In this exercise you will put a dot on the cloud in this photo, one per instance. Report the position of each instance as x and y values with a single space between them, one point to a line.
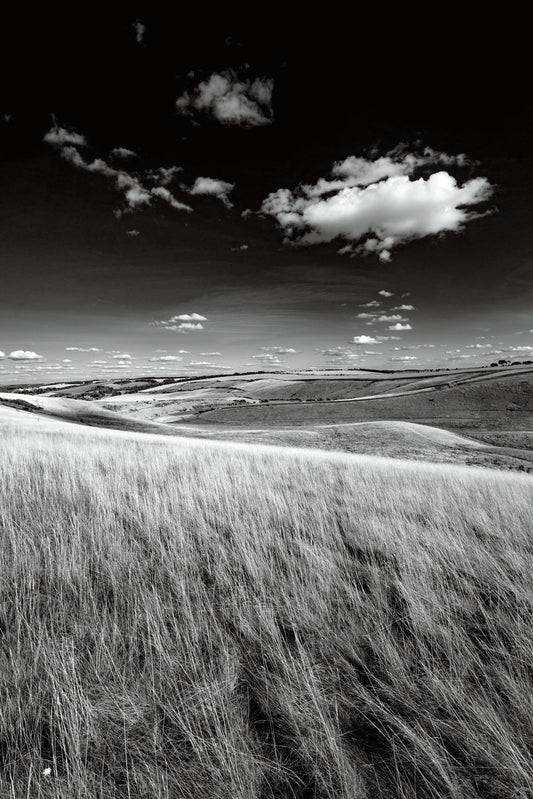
135 193
188 317
378 205
2 354
373 303
122 152
188 326
213 187
395 317
280 350
404 358
132 233
67 360
83 349
400 326
59 137
366 315
403 308
166 358
122 356
242 247
364 340
140 29
94 363
230 100
385 293
267 358
164 175
164 194
24 355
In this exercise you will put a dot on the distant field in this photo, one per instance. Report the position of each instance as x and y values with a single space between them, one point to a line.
192 619
401 414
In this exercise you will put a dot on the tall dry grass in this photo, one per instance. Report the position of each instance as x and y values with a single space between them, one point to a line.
197 620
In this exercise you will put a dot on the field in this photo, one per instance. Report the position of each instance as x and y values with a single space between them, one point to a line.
201 619
476 416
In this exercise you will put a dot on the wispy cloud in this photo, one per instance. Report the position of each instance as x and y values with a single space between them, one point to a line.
83 349
212 187
122 152
280 350
230 99
140 29
377 205
131 185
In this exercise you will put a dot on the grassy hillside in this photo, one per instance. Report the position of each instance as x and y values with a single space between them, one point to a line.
203 620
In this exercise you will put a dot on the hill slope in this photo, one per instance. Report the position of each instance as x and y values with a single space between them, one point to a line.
208 620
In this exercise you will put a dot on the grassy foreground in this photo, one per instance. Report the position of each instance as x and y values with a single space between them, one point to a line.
205 621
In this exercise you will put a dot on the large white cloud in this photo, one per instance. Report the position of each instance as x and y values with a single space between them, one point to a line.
377 205
230 99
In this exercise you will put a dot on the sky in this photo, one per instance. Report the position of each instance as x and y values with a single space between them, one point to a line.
183 195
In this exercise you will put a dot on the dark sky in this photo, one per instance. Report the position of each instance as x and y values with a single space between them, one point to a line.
84 266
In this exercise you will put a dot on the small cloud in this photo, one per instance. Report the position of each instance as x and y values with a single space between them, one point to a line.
400 326
83 349
164 194
164 175
67 360
24 355
122 152
366 315
230 100
391 318
140 29
280 350
59 137
266 358
166 358
404 358
213 187
403 308
122 356
364 340
242 247
210 354
189 326
132 233
372 303
188 317
385 293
